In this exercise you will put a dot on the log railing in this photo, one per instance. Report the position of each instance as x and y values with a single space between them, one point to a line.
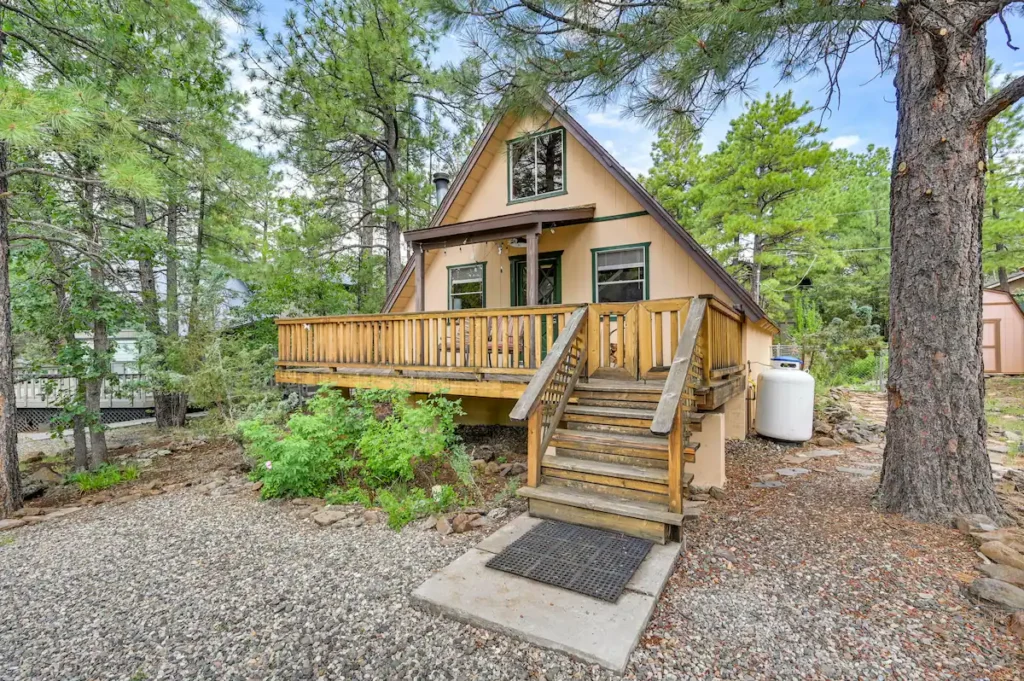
547 395
488 340
677 401
721 341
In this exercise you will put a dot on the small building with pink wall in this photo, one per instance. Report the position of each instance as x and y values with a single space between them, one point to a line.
1002 337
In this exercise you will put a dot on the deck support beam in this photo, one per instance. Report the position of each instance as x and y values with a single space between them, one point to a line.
532 267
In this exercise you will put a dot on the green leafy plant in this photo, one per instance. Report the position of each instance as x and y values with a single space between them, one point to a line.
338 496
103 477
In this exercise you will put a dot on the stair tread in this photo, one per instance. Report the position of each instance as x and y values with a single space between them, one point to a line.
613 470
599 437
619 387
600 502
613 412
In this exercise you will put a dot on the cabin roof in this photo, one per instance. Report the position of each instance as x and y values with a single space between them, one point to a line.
739 295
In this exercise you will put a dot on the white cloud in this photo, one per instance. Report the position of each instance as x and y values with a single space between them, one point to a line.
603 120
845 141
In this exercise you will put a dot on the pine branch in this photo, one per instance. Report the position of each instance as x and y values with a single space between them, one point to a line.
1006 97
47 173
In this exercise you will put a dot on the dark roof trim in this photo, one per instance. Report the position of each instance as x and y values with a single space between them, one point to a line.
711 266
526 219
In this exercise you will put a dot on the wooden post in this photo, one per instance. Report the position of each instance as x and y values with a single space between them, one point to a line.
675 463
418 267
532 268
534 431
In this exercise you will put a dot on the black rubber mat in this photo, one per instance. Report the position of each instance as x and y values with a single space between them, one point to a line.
582 559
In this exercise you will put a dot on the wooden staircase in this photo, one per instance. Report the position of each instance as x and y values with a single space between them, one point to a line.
612 454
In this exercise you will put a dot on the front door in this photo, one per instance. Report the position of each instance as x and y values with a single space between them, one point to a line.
550 274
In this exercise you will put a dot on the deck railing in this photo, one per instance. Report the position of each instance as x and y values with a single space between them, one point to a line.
627 340
488 340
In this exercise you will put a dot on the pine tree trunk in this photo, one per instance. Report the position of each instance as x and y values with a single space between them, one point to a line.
10 476
394 230
755 270
366 238
172 269
935 464
169 409
60 291
196 279
100 341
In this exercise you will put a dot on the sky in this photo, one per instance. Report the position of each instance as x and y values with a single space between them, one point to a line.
865 115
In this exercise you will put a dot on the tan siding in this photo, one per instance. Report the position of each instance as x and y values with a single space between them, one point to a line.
1000 311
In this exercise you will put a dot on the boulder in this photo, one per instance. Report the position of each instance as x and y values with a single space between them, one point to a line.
1011 536
28 511
1004 573
717 493
499 513
328 516
999 552
493 468
1015 625
443 526
975 522
824 441
998 593
46 476
463 522
372 516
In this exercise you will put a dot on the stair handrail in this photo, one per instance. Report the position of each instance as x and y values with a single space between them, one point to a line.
675 384
547 394
549 367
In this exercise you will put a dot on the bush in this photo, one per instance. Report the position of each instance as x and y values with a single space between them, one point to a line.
348 450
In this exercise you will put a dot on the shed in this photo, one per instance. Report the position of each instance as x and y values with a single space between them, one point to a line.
1002 338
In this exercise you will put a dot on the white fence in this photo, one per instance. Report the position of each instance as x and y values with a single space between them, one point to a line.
34 391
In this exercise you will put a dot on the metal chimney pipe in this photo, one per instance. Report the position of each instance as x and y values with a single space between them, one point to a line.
440 185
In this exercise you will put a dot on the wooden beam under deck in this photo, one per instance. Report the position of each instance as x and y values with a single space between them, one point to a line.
720 391
499 387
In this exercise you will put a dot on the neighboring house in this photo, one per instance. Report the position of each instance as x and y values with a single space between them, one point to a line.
1002 337
551 288
1014 279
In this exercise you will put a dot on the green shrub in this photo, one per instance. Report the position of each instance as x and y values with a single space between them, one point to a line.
411 434
404 506
103 477
337 496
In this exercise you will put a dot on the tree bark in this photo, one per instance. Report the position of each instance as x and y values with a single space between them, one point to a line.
147 280
100 341
81 448
755 270
10 476
173 315
366 237
196 276
935 464
392 226
169 409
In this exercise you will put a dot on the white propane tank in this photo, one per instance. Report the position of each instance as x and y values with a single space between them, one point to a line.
785 401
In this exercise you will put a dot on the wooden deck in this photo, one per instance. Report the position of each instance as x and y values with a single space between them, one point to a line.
610 393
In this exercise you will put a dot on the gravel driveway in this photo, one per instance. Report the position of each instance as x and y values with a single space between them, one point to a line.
185 586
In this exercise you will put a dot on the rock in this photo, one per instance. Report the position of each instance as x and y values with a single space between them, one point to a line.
427 523
1004 573
821 453
975 522
824 441
1012 436
699 496
512 469
770 484
480 523
493 468
863 472
479 465
795 459
1011 536
792 472
372 516
726 554
463 522
717 493
997 592
443 526
61 512
1000 553
997 447
30 489
256 486
28 511
11 523
308 501
328 516
498 513
1015 625
767 477
46 476
32 457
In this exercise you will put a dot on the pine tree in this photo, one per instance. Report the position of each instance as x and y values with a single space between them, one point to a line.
1003 228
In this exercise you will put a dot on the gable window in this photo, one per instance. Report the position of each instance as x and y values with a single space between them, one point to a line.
466 289
536 165
620 274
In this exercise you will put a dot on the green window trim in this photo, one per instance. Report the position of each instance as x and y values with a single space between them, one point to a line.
483 283
549 255
605 249
508 167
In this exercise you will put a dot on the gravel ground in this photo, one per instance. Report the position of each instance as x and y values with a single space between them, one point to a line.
185 586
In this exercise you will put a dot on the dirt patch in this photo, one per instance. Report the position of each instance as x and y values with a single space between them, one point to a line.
498 447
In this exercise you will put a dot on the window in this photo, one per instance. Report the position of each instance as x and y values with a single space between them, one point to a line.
466 286
620 274
536 165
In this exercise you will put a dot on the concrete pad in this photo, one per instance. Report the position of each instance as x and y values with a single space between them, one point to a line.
652 575
864 472
498 541
792 472
586 628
